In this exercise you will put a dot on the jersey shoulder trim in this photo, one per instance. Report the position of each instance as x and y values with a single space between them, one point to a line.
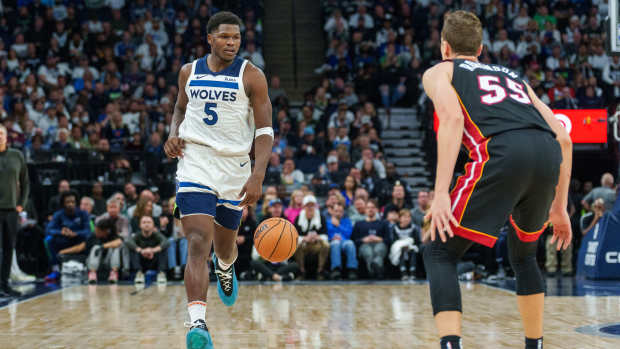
232 70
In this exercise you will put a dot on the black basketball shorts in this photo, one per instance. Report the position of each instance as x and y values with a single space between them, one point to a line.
510 176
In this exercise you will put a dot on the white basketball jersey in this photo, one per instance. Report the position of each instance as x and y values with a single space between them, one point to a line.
218 112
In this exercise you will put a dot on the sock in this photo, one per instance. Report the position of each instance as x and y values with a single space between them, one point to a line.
197 311
536 343
223 265
451 342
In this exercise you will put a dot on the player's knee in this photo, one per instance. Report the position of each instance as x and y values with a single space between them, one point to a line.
197 244
527 274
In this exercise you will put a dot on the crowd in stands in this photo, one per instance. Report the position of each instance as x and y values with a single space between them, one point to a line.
381 47
101 77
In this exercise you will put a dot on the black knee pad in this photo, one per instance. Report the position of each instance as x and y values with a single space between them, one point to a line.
528 275
440 261
522 257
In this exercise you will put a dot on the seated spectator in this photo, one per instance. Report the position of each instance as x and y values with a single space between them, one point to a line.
356 212
86 205
371 237
398 201
55 203
291 177
589 220
312 230
113 214
606 192
144 207
69 226
334 175
339 230
264 270
149 250
147 194
275 209
295 206
377 165
348 190
104 248
405 246
62 143
423 204
589 100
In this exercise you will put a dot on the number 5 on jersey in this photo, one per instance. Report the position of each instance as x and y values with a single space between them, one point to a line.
211 118
491 83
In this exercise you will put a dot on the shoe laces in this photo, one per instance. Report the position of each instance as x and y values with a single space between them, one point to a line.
196 324
225 277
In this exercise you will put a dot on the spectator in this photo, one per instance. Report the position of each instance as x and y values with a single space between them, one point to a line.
291 177
589 219
69 227
423 204
265 270
398 201
275 91
356 212
54 204
371 236
86 205
348 190
605 191
148 195
149 250
100 203
404 249
312 230
131 196
335 175
275 209
295 206
339 229
103 248
144 207
377 166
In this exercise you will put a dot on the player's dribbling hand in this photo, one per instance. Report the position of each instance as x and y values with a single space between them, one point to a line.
440 215
252 190
174 147
562 232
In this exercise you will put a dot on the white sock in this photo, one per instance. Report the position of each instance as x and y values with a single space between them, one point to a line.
197 311
223 265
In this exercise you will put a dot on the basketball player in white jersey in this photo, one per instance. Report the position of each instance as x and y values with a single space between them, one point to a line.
222 107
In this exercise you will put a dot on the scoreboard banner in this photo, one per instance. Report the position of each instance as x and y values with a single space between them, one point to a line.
583 125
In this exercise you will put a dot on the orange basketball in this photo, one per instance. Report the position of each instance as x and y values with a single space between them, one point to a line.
275 239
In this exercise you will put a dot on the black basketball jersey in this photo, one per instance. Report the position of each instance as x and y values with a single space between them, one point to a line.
494 98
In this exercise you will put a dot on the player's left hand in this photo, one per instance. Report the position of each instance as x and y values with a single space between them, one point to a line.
441 216
252 189
562 232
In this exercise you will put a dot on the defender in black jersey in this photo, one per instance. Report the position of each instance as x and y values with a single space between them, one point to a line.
519 170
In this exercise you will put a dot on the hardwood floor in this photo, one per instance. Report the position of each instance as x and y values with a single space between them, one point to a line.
292 316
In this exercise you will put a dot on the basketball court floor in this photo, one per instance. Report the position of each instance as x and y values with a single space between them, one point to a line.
304 315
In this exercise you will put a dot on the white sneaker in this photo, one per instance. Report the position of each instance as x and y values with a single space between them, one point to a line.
17 275
139 279
161 278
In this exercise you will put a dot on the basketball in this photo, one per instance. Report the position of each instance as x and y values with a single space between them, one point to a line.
275 239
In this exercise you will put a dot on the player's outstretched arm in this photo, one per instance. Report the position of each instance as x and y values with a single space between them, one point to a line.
174 145
256 88
558 214
438 86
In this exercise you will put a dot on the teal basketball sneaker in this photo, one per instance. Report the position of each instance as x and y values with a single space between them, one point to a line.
198 336
227 286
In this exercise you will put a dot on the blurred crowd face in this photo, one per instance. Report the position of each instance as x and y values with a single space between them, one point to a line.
113 209
338 211
86 205
69 204
423 199
371 210
147 225
360 205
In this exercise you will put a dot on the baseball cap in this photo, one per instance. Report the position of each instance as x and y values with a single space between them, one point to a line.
308 131
309 199
366 120
274 202
331 159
